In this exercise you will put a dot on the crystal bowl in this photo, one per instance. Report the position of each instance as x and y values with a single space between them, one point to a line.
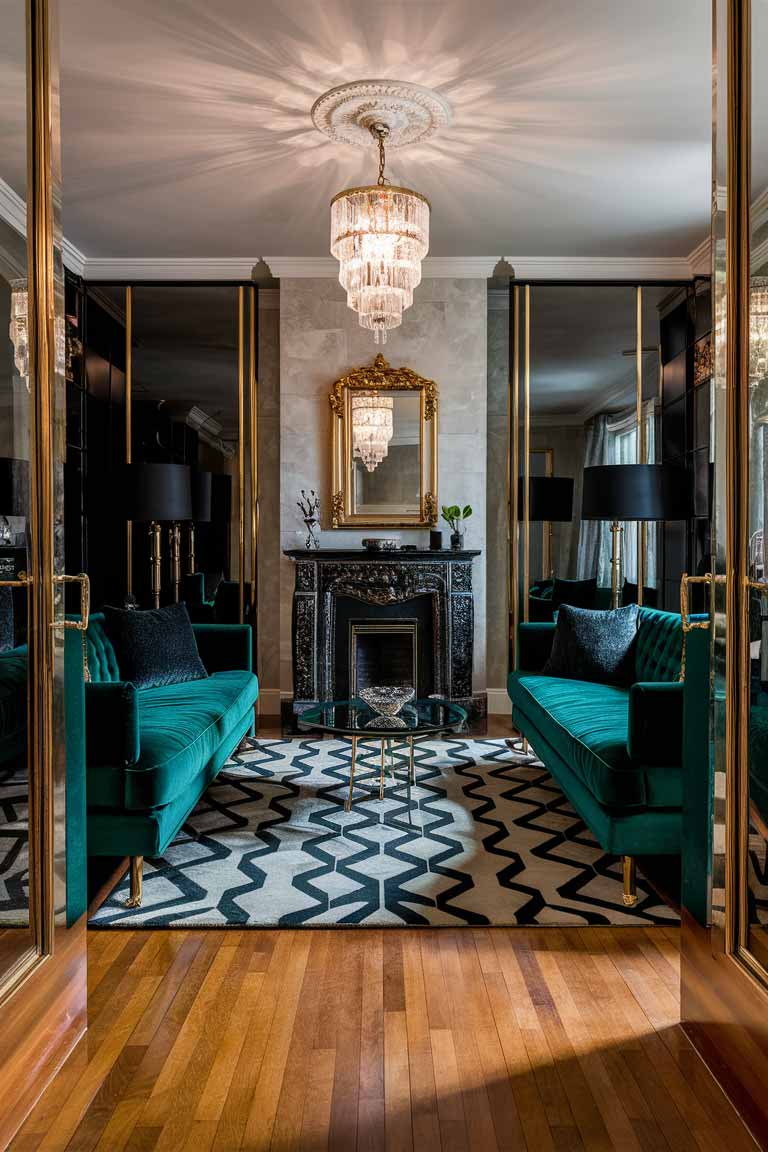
386 701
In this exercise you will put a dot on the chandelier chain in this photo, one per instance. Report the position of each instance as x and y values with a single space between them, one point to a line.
380 132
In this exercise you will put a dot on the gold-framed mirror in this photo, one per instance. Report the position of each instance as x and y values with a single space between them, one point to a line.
383 448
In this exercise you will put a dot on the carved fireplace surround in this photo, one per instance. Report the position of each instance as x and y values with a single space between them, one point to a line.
378 579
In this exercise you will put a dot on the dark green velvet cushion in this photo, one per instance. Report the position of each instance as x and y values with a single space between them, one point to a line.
587 725
180 727
102 661
659 645
155 647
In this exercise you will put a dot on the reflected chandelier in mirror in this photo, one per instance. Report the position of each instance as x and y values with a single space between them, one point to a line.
384 448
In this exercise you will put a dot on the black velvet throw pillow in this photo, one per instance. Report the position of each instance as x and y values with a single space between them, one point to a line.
580 593
596 646
156 647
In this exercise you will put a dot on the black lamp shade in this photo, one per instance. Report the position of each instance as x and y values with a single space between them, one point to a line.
157 492
201 497
635 492
551 497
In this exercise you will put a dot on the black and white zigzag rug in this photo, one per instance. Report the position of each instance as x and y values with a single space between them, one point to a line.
485 836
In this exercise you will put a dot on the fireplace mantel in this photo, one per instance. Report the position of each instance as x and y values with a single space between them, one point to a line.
381 578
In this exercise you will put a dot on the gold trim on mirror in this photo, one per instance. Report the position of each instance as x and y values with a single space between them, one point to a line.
380 377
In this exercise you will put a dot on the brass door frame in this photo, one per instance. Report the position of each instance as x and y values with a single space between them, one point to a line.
738 584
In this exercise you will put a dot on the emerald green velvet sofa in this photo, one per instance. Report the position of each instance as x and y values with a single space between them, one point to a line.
13 705
616 752
152 752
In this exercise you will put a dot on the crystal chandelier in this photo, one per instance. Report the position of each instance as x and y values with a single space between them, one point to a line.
379 235
371 427
758 329
18 330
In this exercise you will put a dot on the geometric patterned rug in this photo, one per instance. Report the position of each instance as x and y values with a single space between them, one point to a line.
484 837
14 846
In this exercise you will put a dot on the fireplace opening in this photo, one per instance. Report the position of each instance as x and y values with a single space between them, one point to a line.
383 645
383 654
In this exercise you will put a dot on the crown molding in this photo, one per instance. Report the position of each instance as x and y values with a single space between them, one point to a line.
700 259
600 267
13 211
170 268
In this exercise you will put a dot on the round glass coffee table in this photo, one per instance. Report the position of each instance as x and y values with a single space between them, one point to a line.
358 722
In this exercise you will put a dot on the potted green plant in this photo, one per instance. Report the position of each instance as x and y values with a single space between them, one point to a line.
454 517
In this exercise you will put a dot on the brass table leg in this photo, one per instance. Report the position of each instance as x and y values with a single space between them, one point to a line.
348 805
381 779
411 769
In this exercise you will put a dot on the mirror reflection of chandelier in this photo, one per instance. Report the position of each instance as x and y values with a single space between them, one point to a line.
380 232
758 329
372 427
18 329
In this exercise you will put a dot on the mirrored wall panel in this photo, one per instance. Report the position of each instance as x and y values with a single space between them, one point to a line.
609 382
17 938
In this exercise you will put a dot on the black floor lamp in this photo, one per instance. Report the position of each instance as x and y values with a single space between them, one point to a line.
550 499
618 492
202 487
157 494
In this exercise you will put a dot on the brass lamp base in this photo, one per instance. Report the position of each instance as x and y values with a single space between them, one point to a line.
155 562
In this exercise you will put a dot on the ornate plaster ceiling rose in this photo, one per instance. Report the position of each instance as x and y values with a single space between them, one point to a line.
411 113
380 233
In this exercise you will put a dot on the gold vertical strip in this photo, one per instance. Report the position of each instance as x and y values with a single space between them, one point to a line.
737 470
129 422
241 450
253 411
527 453
41 318
513 472
642 533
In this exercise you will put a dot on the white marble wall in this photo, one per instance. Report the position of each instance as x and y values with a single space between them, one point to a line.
443 336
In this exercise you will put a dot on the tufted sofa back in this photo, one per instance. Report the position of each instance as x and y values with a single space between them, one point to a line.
659 645
102 661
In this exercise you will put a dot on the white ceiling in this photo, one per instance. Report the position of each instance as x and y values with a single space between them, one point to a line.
580 127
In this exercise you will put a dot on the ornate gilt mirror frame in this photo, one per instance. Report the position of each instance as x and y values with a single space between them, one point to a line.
381 377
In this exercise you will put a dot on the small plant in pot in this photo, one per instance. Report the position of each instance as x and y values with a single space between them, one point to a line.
454 517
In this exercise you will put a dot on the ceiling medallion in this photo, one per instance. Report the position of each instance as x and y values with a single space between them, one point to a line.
380 233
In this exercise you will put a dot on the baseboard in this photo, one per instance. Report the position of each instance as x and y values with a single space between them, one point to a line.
499 703
269 701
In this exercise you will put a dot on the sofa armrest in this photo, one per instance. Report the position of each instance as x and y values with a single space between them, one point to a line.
112 724
655 733
534 645
224 647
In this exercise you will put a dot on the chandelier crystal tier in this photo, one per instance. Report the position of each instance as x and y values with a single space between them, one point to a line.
372 427
758 329
380 232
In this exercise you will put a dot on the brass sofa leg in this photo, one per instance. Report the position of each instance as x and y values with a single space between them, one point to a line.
630 881
137 865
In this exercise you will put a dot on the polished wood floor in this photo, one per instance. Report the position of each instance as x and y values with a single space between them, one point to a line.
474 1039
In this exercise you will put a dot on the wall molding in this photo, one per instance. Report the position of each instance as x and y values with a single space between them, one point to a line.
13 211
201 268
499 703
601 267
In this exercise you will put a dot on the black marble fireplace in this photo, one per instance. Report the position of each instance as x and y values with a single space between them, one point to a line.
382 617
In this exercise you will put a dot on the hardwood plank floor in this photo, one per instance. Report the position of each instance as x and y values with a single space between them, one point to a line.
475 1039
